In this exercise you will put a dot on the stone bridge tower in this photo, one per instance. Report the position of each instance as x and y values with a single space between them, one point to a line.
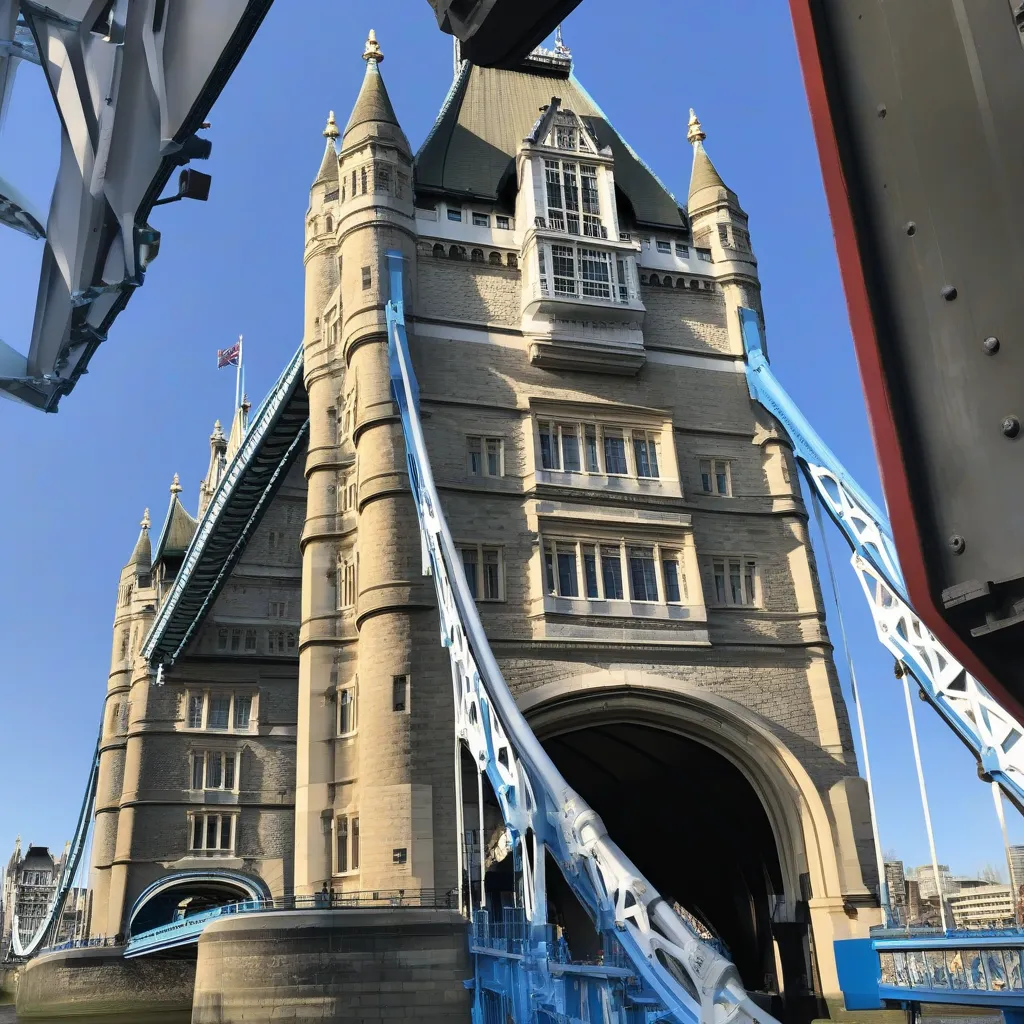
375 775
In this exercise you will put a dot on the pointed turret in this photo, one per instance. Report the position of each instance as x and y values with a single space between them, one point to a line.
178 529
373 113
215 471
142 556
328 172
239 425
703 175
717 220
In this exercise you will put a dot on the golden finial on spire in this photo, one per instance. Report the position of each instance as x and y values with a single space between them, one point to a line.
373 50
145 524
331 131
175 485
694 131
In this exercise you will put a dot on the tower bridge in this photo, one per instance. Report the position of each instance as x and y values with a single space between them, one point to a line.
531 416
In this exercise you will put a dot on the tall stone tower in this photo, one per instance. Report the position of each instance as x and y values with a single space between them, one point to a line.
374 779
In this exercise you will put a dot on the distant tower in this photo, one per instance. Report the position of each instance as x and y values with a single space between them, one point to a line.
133 615
215 473
368 794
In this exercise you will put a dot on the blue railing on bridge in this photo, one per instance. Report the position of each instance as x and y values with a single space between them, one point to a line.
973 967
188 929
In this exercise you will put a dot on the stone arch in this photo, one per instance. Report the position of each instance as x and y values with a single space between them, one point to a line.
477 255
680 282
695 286
655 280
158 902
456 252
438 250
806 834
494 259
512 261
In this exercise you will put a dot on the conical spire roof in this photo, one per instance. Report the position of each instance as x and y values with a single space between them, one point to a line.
329 165
142 556
178 529
703 175
373 105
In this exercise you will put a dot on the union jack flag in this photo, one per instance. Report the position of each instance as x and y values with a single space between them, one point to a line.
228 356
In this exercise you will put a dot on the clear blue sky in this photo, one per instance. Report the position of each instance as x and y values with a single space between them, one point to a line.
74 485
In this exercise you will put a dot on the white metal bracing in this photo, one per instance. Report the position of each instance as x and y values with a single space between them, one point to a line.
992 733
539 808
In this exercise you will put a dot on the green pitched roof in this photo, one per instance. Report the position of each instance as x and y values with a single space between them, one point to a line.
490 111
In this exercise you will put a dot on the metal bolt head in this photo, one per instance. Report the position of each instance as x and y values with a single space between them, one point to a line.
1011 426
991 345
910 227
957 544
948 293
880 109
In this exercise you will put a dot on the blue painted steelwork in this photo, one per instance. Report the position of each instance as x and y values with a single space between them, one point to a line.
68 871
990 731
276 433
964 967
689 979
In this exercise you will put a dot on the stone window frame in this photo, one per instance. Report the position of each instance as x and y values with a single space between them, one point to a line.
221 850
349 821
351 688
204 756
482 445
598 427
478 585
347 582
713 462
749 573
204 694
589 543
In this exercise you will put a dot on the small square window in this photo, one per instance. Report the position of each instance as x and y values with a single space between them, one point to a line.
481 220
716 477
664 246
400 693
367 278
682 251
501 222
400 856
455 213
705 255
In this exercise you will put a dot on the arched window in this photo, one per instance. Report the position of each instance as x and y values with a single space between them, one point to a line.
438 250
477 256
494 259
512 260
362 181
695 286
655 279
328 223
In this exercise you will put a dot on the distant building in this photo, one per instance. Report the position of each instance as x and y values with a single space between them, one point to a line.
925 878
896 884
913 901
983 906
1017 865
29 884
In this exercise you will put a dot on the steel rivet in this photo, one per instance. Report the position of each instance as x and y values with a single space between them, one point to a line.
1011 426
957 544
949 293
881 110
991 345
910 227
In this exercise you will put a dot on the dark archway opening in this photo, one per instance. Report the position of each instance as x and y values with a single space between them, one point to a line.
185 899
695 827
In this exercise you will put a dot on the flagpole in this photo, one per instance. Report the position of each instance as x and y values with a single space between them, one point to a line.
238 377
